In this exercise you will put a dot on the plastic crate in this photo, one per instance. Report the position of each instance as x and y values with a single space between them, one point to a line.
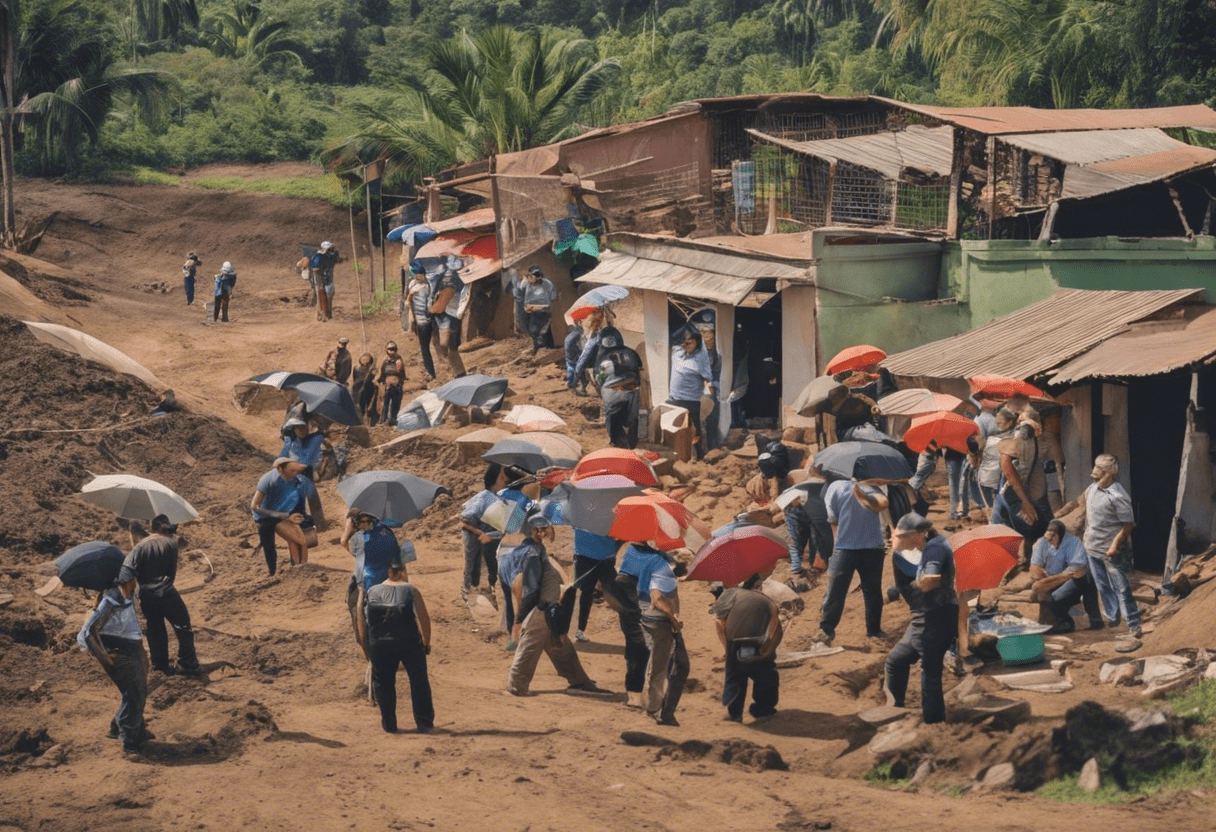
1023 648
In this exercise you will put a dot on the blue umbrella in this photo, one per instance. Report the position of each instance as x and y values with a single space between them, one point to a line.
474 391
394 497
93 565
418 235
395 235
863 461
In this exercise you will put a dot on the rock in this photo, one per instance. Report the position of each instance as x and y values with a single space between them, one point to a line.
819 650
922 772
968 689
719 490
1142 719
715 456
1003 712
998 776
883 715
682 471
1163 668
1161 687
1107 672
1210 673
781 595
1039 681
897 737
1126 676
1091 776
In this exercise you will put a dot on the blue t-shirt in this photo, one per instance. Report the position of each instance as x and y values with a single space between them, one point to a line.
476 507
857 526
652 570
1068 556
688 374
284 495
511 562
306 451
378 546
938 559
594 546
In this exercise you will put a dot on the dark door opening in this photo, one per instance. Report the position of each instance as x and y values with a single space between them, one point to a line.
1156 422
757 349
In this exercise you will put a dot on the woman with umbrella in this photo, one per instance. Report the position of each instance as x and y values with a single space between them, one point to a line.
112 635
691 376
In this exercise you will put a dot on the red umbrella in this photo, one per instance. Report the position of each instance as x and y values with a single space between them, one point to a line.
947 430
615 461
733 558
657 517
1003 387
854 358
983 555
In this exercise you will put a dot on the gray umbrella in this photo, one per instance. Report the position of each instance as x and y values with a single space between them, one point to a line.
474 391
818 395
520 453
863 461
392 496
93 565
589 503
329 399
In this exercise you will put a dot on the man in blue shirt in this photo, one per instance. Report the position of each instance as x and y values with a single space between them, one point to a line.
854 511
480 538
594 564
278 506
538 296
111 633
1060 570
659 600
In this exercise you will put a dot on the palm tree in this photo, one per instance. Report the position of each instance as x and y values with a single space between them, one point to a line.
245 35
494 92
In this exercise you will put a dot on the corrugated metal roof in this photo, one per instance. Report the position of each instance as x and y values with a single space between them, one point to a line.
477 218
1034 340
927 149
998 121
618 269
695 254
1085 147
1146 349
1115 175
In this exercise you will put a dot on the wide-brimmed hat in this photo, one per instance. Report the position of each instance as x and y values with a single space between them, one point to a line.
344 341
227 268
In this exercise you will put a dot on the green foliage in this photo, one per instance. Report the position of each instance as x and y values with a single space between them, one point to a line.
381 302
881 774
327 187
1197 703
1160 783
245 34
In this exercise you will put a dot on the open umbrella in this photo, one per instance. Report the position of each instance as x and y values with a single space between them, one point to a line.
854 358
597 298
947 430
394 497
863 461
474 391
519 453
329 399
916 400
615 461
1002 387
563 450
819 395
531 417
417 235
136 498
285 380
736 556
983 555
589 504
93 565
657 517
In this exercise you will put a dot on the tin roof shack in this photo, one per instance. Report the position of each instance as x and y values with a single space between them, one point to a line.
1130 370
759 294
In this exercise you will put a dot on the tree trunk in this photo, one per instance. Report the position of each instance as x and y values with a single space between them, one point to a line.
8 48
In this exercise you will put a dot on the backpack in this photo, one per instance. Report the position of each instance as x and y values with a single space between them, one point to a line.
389 622
315 261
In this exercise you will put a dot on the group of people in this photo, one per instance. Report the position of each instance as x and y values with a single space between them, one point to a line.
317 269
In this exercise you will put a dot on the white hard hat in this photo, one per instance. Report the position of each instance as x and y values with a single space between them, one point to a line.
227 267
326 246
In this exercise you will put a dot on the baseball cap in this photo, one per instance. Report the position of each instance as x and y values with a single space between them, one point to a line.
344 341
281 461
417 268
912 522
295 422
326 246
227 267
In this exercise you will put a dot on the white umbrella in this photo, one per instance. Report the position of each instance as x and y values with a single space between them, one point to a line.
564 450
136 498
533 417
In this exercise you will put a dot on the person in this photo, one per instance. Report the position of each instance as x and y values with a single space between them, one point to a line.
594 565
480 538
619 378
806 522
417 315
536 592
538 297
225 283
399 633
691 376
713 432
577 339
510 562
988 472
153 563
854 512
625 599
1059 568
189 270
278 509
392 374
444 304
659 602
338 363
301 445
323 279
363 388
934 617
1109 521
375 545
112 635
749 628
1023 504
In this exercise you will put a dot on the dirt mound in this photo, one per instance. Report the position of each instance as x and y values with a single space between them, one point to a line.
1189 622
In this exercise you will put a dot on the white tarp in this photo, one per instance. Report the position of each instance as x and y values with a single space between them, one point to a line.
88 347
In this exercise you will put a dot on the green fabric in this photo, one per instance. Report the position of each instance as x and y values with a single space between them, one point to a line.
584 244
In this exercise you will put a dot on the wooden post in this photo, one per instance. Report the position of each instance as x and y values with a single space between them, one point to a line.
956 177
991 184
371 260
827 210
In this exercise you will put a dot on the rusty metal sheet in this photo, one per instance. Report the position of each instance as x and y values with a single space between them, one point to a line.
632 272
926 149
1087 147
1146 349
1038 338
1118 174
748 260
468 221
998 121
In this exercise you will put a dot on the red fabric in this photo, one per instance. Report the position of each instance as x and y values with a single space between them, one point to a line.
983 556
616 461
948 430
854 358
735 557
1003 387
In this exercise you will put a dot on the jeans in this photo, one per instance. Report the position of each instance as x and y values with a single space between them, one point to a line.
508 605
574 350
621 417
1115 590
425 331
188 285
799 527
1004 515
963 489
926 464
765 682
667 670
392 404
385 655
867 563
1066 595
537 325
219 309
588 572
927 643
474 553
159 607
637 652
127 672
535 638
694 419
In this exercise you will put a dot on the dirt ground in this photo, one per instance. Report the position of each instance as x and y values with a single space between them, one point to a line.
283 737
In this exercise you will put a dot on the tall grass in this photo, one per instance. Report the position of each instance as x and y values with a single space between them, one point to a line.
327 187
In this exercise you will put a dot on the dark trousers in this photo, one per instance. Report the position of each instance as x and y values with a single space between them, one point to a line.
1066 595
266 526
667 670
812 536
127 672
365 400
537 324
637 653
188 285
219 309
508 606
589 572
386 654
621 417
425 332
159 607
694 419
867 563
764 679
392 403
474 553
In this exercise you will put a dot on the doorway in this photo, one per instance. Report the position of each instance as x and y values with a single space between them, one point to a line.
758 359
1156 421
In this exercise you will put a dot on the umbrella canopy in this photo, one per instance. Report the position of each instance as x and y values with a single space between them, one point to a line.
394 497
657 517
418 235
531 417
563 450
136 498
284 380
616 461
1003 387
519 453
736 556
915 401
597 298
589 504
819 395
983 555
93 565
947 430
863 461
854 358
474 391
329 399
